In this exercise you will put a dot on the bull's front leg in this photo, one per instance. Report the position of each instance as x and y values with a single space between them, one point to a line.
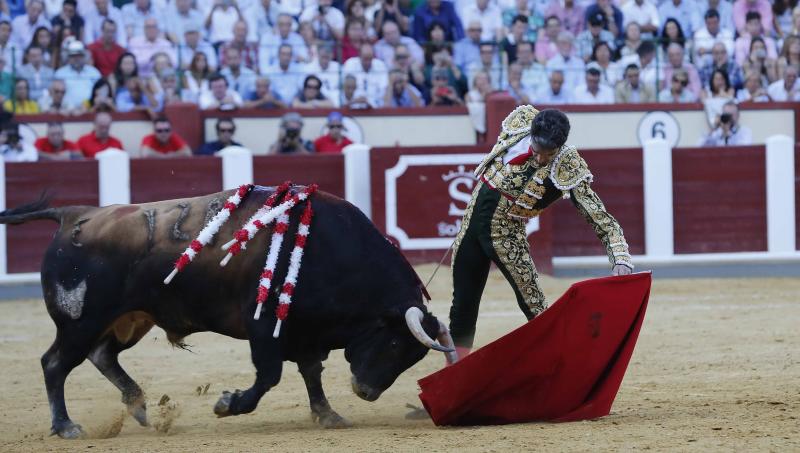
321 411
267 356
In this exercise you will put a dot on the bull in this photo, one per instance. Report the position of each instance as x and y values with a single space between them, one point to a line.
102 280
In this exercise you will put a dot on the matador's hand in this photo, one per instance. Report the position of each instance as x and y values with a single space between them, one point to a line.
620 269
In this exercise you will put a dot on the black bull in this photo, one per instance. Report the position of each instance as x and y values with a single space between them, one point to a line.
103 273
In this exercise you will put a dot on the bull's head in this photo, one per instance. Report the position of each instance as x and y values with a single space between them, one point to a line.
399 341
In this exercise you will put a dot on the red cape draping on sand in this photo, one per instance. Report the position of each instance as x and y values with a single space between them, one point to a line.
565 365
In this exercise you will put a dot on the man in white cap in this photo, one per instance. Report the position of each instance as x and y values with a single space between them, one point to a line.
77 75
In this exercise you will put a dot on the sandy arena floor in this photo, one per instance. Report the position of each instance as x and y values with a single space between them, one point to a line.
717 367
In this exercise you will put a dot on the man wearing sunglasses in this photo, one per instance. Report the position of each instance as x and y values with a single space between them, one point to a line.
225 130
334 141
529 168
163 142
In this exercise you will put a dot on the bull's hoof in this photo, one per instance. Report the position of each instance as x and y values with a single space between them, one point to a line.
68 430
226 402
331 420
138 411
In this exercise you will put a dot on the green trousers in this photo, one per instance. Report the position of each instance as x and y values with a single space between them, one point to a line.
488 235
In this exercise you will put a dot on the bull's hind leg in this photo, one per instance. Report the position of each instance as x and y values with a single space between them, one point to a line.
68 351
265 352
321 411
124 334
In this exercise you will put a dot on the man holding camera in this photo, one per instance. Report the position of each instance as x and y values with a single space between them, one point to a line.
289 138
728 131
328 22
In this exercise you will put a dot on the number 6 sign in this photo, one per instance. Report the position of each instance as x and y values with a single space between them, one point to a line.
661 125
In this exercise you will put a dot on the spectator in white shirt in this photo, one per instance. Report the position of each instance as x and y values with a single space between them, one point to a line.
268 48
554 93
371 73
99 12
534 75
77 75
135 14
566 61
220 21
725 10
327 21
182 18
592 91
219 96
286 76
706 37
327 70
384 48
193 43
489 63
728 130
787 89
754 89
644 13
262 18
489 16
26 24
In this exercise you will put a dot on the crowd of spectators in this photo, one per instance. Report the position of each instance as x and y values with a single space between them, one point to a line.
78 56
73 56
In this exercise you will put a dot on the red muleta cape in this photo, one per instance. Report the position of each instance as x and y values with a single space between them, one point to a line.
565 365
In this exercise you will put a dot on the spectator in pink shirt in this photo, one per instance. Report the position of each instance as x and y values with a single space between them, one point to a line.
676 62
546 44
571 15
741 8
753 29
143 47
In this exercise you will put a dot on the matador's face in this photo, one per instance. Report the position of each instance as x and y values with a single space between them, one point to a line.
542 155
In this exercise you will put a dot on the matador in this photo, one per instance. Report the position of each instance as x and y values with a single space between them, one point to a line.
528 169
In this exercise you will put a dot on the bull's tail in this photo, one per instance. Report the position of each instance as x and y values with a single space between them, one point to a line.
37 210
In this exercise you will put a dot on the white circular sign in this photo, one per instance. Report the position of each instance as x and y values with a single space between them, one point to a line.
659 125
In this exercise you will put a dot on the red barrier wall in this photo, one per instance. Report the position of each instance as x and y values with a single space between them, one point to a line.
68 183
164 179
326 170
720 199
430 198
619 181
797 196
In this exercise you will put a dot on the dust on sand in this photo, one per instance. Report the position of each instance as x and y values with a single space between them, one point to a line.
717 367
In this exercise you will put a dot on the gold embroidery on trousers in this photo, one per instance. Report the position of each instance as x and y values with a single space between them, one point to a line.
511 245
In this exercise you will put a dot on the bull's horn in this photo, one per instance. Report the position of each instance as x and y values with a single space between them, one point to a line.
414 321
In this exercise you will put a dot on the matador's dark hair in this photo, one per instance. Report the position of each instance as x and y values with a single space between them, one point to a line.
550 128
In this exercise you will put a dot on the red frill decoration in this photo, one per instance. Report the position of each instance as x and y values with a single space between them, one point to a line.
262 295
235 248
243 189
242 235
282 311
281 228
288 289
182 262
267 274
196 245
300 241
259 224
230 206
